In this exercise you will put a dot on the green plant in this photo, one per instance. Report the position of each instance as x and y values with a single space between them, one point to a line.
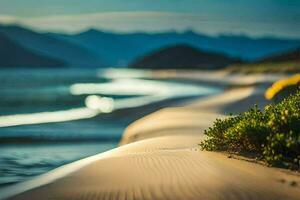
272 135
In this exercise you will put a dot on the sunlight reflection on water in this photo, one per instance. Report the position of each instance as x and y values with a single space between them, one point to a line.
97 102
103 104
47 117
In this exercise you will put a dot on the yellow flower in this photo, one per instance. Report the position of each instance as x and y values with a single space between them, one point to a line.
280 85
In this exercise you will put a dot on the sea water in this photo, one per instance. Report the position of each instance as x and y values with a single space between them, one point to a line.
51 117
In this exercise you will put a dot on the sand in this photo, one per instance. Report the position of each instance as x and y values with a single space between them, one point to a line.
159 158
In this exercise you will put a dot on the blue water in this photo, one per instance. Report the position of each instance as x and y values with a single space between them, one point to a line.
39 130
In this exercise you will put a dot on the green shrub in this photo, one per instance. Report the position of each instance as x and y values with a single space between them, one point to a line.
273 135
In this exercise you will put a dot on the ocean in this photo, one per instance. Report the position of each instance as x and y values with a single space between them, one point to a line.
51 117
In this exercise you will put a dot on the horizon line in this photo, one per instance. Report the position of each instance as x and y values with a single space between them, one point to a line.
119 32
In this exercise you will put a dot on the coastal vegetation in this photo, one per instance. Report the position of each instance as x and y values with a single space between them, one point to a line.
271 135
284 62
265 67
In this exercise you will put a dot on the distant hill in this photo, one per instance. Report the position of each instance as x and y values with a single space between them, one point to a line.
118 49
14 55
183 57
292 55
73 55
285 62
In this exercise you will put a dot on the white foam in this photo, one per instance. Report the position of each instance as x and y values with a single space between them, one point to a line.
47 117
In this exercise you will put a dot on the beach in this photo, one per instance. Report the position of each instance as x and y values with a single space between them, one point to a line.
159 156
149 100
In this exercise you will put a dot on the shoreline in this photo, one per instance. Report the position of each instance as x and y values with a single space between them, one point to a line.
162 150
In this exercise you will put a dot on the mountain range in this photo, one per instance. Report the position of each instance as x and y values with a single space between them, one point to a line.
117 49
14 55
72 54
95 48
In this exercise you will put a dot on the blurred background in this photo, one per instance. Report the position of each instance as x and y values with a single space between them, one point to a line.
75 73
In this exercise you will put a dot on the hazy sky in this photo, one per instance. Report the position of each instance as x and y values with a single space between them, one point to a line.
251 17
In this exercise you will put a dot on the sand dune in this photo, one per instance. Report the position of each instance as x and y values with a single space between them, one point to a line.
160 159
193 117
150 169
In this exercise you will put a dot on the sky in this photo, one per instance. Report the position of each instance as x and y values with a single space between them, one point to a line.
257 18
